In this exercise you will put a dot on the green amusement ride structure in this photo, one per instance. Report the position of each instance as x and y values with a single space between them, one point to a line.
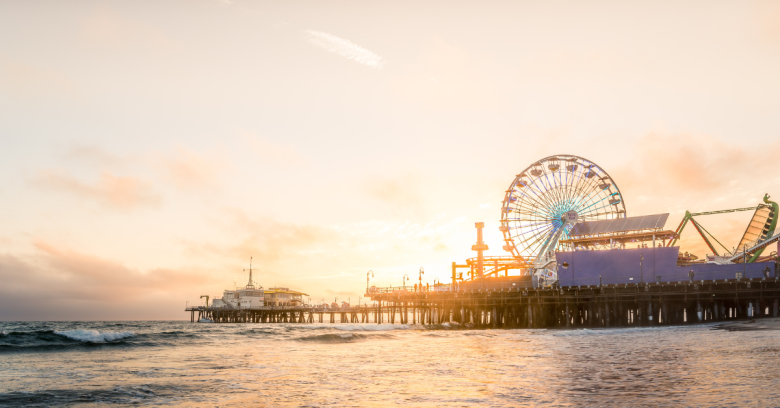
760 231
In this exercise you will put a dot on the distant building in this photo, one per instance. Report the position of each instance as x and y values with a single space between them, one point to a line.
244 298
254 296
283 297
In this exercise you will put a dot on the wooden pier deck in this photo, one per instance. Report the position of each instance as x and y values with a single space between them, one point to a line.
584 306
590 306
301 314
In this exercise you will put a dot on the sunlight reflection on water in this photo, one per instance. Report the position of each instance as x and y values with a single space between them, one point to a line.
174 363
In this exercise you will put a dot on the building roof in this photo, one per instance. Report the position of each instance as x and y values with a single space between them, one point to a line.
644 222
285 290
621 239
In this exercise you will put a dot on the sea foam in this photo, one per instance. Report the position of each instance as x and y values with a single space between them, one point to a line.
93 336
372 327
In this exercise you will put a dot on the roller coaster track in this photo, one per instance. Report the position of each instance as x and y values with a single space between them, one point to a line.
754 247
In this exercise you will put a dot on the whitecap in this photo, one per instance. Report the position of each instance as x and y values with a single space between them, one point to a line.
372 327
93 336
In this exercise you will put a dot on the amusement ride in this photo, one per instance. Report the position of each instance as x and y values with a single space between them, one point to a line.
545 202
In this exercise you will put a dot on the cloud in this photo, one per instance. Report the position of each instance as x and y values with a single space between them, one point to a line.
345 48
768 23
267 240
697 172
400 191
87 153
73 285
190 170
683 163
123 193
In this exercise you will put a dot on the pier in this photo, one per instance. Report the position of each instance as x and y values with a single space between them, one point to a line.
620 305
284 314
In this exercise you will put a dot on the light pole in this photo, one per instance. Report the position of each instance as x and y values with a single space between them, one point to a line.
422 272
372 275
406 278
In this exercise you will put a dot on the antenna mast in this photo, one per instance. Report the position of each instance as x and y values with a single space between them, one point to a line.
249 285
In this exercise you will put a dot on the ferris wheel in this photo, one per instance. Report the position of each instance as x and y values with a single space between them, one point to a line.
544 202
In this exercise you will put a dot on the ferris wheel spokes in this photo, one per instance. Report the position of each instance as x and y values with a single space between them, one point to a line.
534 206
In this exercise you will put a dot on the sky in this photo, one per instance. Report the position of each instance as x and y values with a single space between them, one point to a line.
149 149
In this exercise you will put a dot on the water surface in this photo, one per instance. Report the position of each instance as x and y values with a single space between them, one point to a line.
291 365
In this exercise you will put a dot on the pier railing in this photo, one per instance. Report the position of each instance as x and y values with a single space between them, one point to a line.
467 286
304 308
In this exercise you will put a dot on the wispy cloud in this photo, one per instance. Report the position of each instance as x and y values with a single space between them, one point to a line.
345 48
117 192
190 170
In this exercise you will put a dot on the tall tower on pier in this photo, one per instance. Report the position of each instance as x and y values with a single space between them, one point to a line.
250 285
480 247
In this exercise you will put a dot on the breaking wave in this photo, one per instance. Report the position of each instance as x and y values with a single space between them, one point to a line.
343 337
50 340
94 336
372 327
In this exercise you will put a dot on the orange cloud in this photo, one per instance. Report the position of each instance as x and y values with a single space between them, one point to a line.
71 285
684 164
696 172
769 23
398 191
189 170
124 193
267 240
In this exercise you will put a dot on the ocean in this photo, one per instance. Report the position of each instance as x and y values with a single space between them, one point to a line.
44 364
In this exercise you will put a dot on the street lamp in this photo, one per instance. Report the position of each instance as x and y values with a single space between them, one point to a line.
372 275
406 278
422 272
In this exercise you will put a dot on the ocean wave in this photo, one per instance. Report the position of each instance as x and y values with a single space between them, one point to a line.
94 336
49 340
342 337
372 327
